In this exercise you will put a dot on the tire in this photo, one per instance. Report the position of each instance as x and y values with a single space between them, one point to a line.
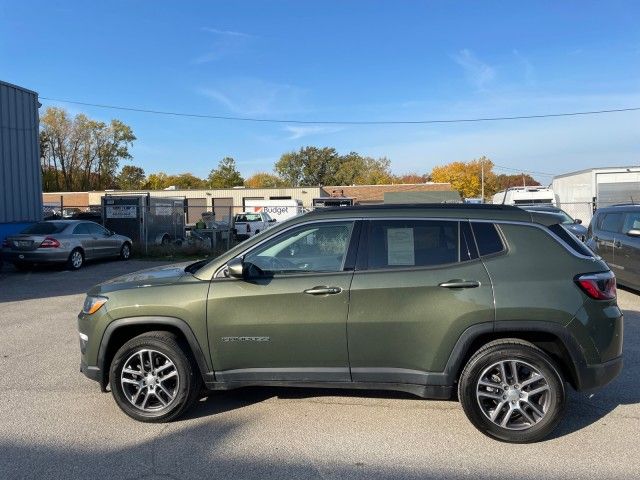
75 260
531 405
163 396
125 251
165 240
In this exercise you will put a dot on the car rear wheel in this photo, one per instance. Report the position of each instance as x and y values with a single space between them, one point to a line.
76 259
153 378
511 391
125 251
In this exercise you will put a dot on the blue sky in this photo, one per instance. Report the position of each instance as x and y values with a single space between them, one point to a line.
341 60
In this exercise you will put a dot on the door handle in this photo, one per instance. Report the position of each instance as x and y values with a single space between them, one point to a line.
460 284
322 290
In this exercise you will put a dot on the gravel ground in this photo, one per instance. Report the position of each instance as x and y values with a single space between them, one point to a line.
55 423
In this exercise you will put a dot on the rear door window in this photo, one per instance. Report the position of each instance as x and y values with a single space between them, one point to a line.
487 238
611 222
414 243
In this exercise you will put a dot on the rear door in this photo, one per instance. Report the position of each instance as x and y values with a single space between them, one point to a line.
418 285
628 252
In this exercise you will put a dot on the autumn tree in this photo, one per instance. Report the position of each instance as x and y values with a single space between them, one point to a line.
78 153
411 178
355 169
263 180
131 178
226 175
310 166
465 177
503 181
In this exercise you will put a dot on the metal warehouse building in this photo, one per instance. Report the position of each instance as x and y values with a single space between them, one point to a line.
20 177
596 188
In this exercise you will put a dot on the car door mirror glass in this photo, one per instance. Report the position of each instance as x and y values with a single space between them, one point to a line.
235 268
634 232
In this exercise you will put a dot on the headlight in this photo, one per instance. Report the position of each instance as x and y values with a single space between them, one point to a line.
93 304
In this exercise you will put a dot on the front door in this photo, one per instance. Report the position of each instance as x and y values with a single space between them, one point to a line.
608 239
286 320
628 252
418 285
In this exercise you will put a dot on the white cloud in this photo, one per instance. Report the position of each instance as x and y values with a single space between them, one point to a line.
252 97
300 131
228 33
479 73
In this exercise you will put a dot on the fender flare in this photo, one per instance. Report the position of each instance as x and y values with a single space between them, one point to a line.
204 364
461 349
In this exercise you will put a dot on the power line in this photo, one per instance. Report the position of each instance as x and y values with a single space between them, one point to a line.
519 170
342 122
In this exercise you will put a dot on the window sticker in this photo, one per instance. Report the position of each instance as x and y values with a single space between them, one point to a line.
400 246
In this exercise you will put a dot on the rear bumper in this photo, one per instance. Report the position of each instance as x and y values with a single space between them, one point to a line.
35 256
591 377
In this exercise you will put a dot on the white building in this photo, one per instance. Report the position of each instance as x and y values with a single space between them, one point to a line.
580 193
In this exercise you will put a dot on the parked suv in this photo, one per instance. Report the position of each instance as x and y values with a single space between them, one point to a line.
614 234
491 303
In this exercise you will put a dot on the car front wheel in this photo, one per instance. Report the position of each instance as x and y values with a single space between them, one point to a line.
125 251
153 378
511 391
76 259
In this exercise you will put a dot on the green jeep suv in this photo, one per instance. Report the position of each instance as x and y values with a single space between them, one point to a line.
490 303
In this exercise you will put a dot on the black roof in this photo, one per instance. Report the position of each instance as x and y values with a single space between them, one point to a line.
422 206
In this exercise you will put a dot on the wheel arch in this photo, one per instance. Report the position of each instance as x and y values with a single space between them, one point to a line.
550 337
122 330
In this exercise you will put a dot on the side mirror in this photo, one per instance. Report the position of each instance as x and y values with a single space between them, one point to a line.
273 220
577 220
634 232
235 268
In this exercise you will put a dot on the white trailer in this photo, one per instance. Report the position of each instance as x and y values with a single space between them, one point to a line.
581 193
279 210
525 196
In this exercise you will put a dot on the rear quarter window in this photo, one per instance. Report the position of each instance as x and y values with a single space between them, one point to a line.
45 228
567 237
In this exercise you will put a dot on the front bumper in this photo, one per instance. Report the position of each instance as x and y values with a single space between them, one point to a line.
93 373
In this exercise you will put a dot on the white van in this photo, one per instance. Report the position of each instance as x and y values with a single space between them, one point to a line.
279 210
525 196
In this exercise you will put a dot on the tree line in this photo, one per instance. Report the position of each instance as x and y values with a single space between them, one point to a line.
79 154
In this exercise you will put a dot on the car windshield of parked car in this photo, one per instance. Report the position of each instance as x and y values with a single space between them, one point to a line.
44 228
312 248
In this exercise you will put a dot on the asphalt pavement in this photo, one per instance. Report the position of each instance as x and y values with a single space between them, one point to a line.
55 423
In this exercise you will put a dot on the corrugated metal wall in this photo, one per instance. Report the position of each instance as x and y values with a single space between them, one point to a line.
20 177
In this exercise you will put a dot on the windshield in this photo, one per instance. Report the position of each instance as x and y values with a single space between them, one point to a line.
248 217
44 228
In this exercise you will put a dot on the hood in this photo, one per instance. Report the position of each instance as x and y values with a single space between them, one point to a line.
163 275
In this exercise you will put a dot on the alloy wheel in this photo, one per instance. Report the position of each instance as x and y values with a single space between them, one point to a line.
513 394
149 380
76 259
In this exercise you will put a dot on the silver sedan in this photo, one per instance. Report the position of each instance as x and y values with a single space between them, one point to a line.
64 241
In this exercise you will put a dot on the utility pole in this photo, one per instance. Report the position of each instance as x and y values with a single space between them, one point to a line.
482 179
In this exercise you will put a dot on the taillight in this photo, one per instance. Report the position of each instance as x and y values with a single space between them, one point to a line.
50 243
599 286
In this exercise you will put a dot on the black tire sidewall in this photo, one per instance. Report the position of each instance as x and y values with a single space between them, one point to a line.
471 374
187 382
